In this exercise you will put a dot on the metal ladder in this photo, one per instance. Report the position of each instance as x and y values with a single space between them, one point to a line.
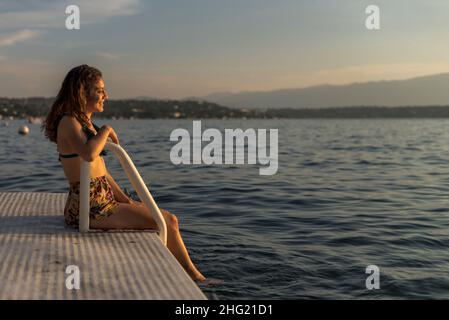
137 183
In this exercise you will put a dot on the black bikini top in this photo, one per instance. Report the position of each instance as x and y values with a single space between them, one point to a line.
90 134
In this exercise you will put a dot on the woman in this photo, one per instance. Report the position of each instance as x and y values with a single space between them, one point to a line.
69 125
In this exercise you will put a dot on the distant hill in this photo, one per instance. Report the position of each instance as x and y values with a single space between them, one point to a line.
145 98
11 108
421 91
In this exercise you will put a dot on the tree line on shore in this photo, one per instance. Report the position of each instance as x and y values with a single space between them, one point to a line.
182 109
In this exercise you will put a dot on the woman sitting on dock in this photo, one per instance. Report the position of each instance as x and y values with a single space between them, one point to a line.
69 125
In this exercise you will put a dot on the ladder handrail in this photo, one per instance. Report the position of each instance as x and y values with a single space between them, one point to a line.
84 196
137 183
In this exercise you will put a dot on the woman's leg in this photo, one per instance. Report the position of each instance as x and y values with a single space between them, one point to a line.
177 247
137 216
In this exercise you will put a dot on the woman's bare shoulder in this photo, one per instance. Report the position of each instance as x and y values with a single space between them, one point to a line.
69 124
68 121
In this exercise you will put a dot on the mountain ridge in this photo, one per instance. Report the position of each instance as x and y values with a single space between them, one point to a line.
418 91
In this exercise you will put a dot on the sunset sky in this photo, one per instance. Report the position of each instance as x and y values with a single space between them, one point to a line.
182 48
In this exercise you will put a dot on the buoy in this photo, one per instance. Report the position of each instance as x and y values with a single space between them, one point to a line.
24 130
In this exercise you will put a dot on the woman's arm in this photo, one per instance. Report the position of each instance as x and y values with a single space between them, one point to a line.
88 150
73 133
119 195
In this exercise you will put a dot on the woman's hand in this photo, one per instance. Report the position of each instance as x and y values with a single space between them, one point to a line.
111 134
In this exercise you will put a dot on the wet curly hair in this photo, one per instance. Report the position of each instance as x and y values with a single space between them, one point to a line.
71 99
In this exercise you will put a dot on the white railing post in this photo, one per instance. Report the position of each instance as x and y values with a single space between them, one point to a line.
84 196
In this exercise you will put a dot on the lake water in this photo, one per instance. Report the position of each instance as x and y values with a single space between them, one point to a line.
347 194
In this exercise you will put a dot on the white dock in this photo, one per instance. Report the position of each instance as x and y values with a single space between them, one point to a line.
36 248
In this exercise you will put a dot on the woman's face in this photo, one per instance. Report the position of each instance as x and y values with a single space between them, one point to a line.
97 96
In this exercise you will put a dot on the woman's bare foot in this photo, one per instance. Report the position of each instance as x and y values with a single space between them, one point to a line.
202 280
210 282
196 275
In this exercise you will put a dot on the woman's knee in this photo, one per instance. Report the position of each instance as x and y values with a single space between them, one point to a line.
170 219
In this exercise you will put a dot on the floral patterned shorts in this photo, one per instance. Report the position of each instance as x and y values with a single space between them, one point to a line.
102 202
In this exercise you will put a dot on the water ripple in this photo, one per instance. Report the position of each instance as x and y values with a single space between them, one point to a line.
348 194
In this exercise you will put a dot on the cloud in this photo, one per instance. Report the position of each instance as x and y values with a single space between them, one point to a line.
18 36
52 14
110 8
